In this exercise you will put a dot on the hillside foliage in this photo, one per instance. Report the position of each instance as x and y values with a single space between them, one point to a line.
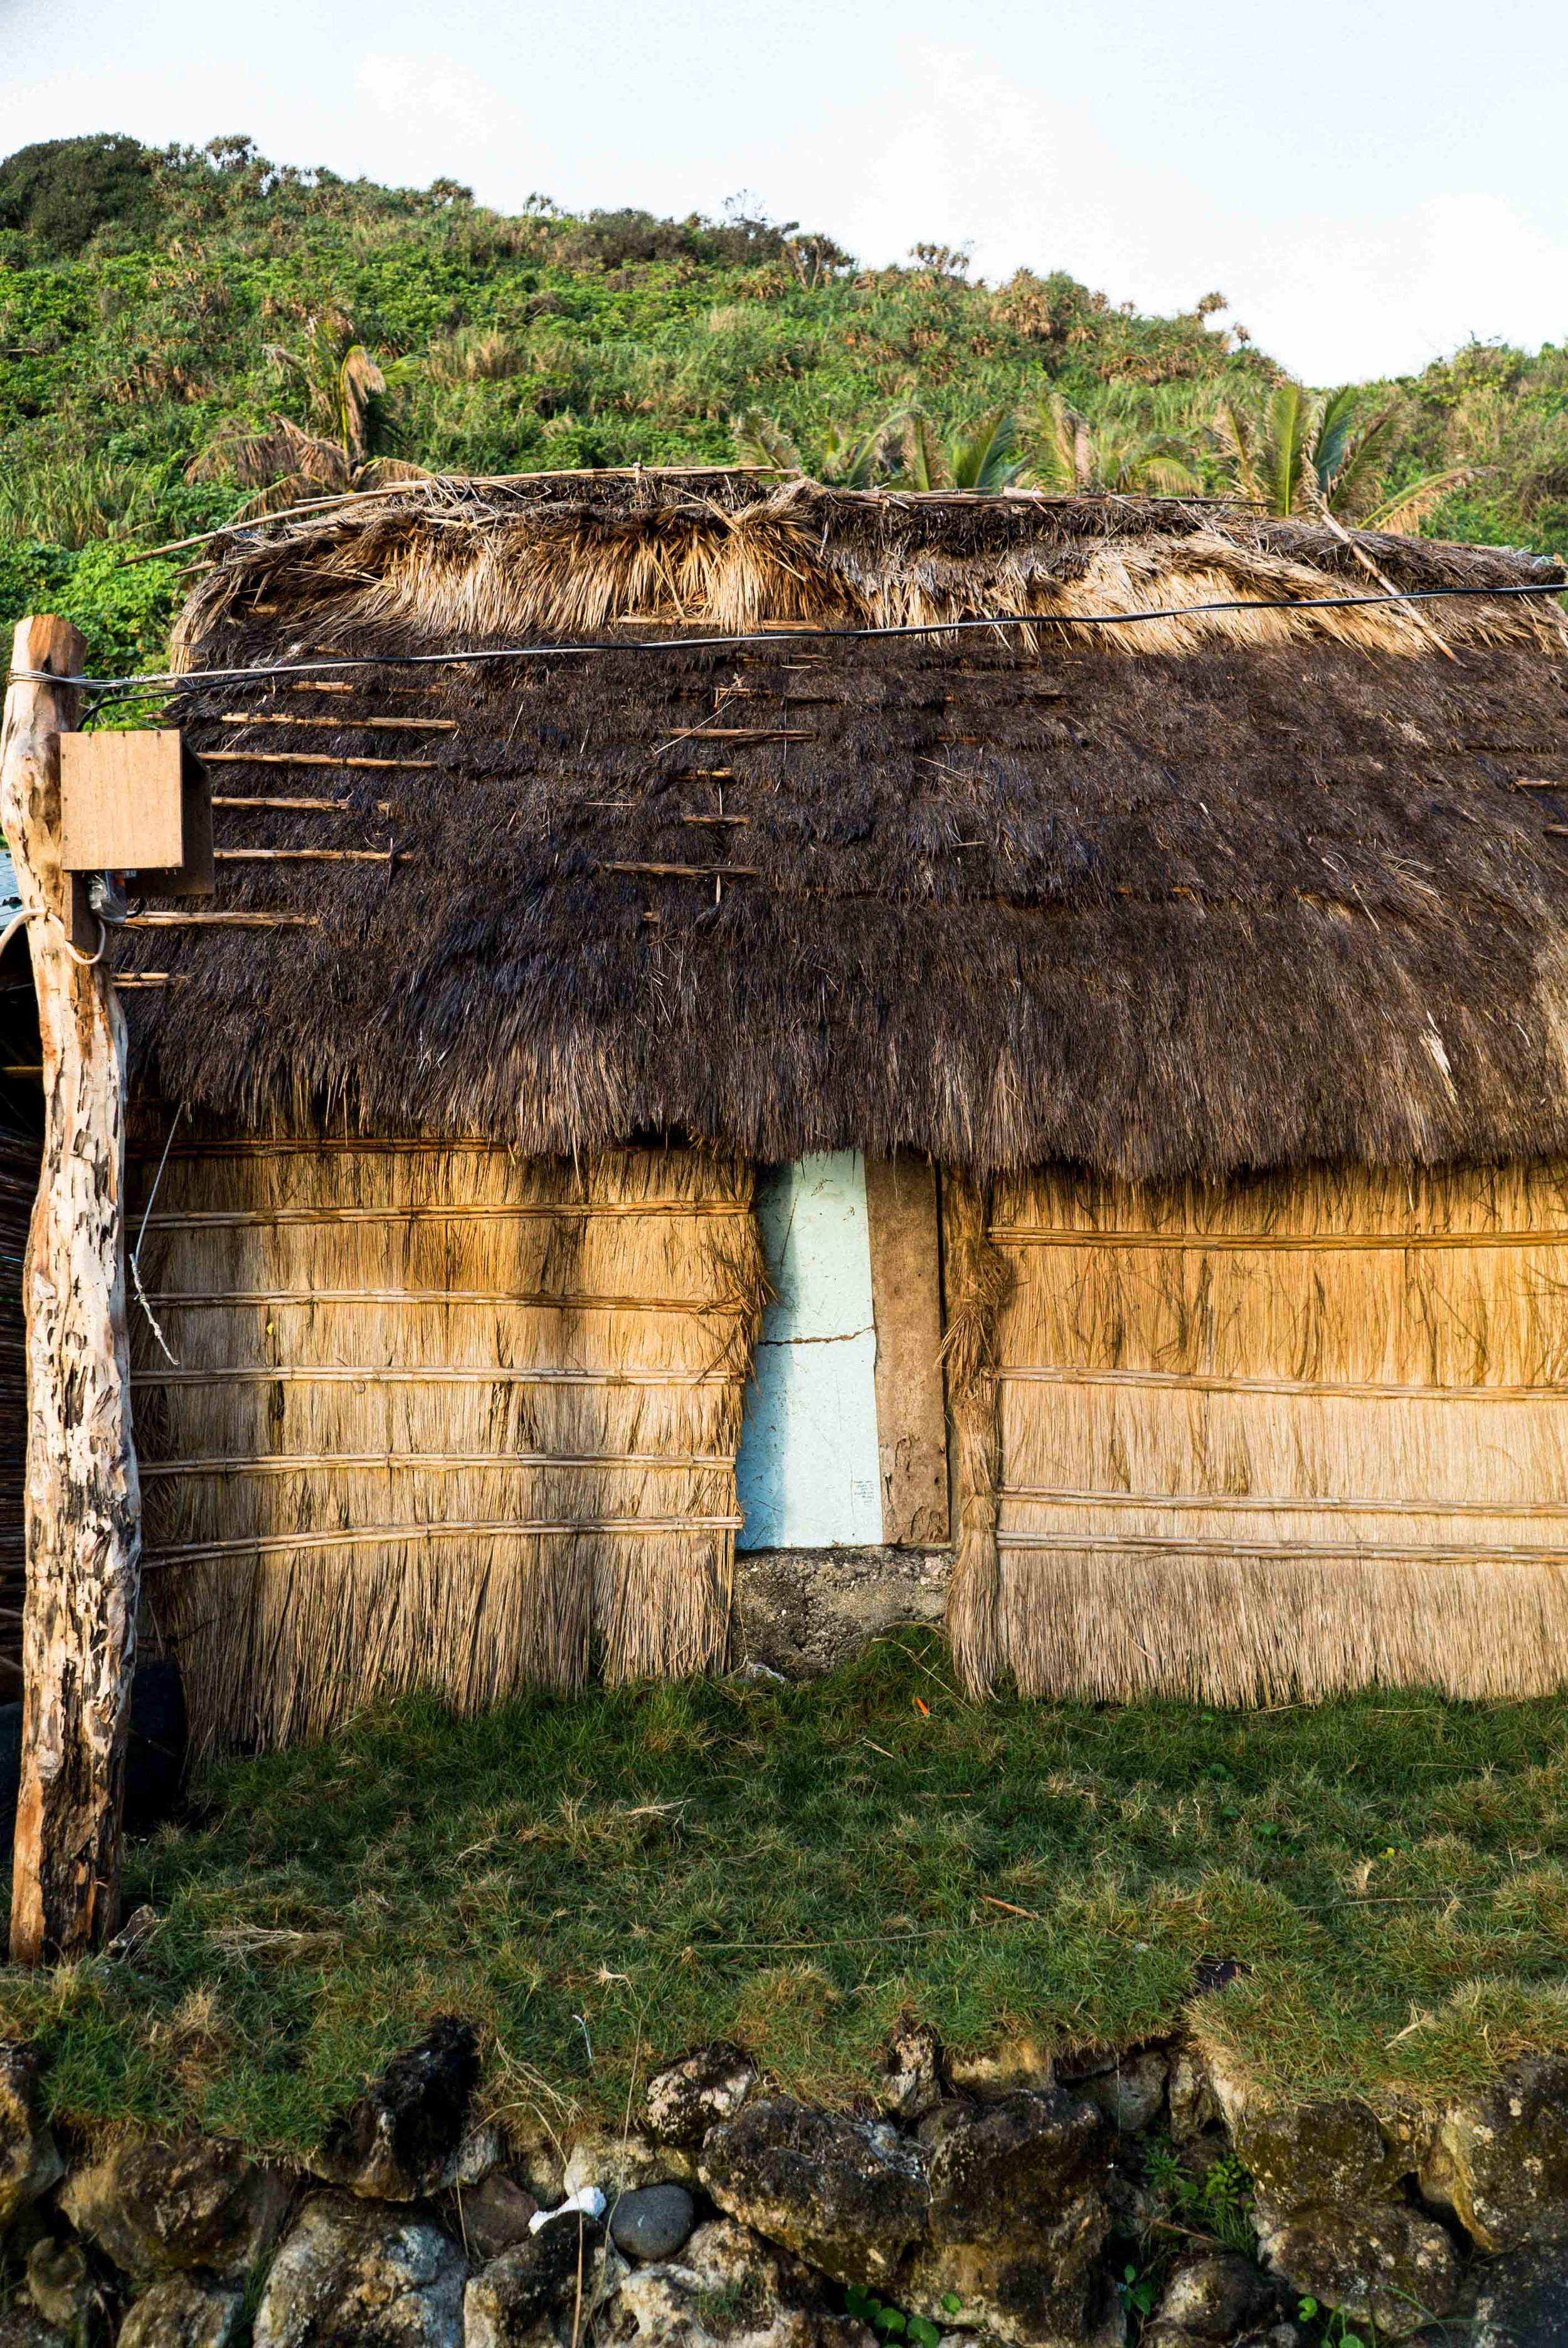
175 325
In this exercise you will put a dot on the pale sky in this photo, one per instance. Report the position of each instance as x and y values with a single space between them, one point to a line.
1369 181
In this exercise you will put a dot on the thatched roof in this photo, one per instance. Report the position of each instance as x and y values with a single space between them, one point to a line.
1247 888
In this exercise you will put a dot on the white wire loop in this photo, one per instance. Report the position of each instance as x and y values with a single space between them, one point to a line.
41 913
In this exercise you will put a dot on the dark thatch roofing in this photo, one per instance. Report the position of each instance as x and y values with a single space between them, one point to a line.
1239 890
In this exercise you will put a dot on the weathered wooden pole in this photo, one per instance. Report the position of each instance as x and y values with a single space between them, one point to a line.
83 1496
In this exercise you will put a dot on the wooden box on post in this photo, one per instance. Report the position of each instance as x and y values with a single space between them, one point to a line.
137 803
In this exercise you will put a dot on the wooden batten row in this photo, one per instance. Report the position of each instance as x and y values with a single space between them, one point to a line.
343 719
1207 1382
282 1463
288 806
1205 1545
1200 1242
340 1537
536 1301
487 1374
745 734
308 856
484 1210
226 921
314 758
1311 1504
689 872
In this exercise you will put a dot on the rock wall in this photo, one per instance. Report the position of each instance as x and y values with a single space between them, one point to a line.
1041 2204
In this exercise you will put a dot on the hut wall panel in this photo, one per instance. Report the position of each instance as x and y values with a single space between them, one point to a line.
389 1363
1280 1437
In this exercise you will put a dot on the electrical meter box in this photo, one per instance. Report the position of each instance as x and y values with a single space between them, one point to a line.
137 803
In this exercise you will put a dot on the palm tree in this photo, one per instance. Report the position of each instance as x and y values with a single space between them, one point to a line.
287 466
760 439
851 459
855 461
982 457
1116 457
1318 452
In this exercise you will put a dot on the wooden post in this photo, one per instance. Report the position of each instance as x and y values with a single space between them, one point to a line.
906 1306
83 1497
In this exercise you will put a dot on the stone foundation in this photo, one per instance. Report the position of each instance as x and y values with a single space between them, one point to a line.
802 1612
1036 2204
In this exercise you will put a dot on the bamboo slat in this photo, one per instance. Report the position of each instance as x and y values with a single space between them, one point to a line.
314 758
507 1210
340 719
399 1536
416 1462
1191 1242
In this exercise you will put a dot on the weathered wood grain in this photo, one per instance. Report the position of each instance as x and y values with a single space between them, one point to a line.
83 1498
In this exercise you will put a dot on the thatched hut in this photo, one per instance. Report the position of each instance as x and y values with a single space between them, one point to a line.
1168 1020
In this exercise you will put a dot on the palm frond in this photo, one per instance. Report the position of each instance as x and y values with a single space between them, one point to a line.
1335 435
290 490
1060 433
1233 430
922 462
1363 461
851 459
1166 466
382 472
1290 429
985 461
256 460
1403 513
760 439
360 385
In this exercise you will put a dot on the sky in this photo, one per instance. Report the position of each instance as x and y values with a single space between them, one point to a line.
1370 183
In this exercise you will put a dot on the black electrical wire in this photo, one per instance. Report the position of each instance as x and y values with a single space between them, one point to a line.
160 683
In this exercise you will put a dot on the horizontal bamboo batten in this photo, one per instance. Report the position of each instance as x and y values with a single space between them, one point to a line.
540 1301
421 1462
435 1413
342 1537
1264 1242
493 1373
509 1211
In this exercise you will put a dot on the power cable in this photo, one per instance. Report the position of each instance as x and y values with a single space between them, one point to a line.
159 684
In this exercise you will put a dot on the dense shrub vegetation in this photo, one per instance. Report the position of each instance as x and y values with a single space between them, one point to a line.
153 304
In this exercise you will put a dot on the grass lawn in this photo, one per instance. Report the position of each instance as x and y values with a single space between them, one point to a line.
631 1871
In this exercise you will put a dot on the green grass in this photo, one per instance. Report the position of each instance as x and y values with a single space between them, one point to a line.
793 1866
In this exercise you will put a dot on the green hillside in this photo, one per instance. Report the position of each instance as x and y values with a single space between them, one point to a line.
156 306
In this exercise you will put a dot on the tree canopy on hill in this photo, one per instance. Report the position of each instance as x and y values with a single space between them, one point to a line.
62 191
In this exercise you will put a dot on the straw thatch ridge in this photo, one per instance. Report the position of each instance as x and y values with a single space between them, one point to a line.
1245 889
389 1364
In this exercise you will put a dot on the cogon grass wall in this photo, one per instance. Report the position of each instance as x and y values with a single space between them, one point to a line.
1265 1439
436 1414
